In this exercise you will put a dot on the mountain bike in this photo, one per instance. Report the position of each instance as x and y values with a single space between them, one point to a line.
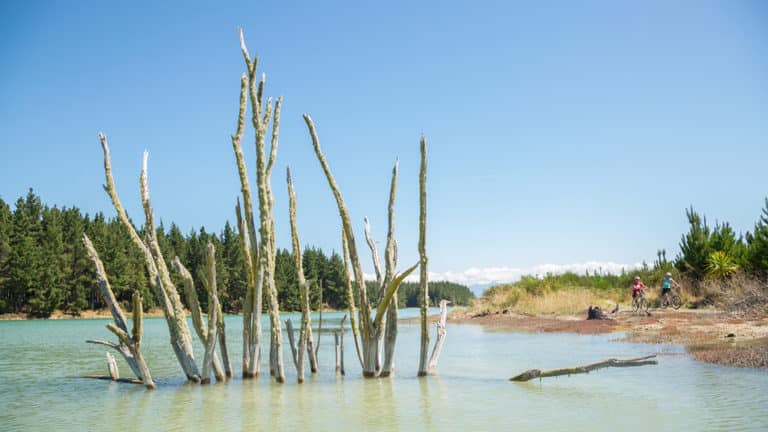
672 299
640 303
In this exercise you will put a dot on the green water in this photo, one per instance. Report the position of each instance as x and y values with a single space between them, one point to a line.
471 391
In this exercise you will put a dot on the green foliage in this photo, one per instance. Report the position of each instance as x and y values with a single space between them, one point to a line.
756 259
457 294
44 265
720 265
695 247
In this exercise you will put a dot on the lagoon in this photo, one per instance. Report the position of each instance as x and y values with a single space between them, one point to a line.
471 392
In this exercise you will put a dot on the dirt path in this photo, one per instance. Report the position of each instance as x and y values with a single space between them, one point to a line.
709 335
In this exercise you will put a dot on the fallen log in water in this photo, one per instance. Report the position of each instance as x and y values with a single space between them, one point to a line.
536 373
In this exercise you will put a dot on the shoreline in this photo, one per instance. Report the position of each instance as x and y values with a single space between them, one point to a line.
708 335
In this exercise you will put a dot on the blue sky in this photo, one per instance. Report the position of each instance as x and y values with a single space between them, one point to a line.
560 133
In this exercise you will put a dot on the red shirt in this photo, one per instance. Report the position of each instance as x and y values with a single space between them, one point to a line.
637 286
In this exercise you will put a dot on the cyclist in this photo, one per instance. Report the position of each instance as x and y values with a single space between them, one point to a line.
637 287
666 286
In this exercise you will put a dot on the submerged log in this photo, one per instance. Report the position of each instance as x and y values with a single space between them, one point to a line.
537 373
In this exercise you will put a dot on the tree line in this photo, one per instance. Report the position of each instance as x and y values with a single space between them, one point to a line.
44 265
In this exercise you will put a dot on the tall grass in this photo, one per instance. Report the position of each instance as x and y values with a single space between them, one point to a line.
567 293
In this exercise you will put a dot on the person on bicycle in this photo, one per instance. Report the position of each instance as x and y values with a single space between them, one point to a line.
666 286
637 287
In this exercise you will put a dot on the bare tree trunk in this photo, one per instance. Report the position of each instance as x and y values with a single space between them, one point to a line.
351 299
114 372
160 280
262 113
305 333
536 373
247 229
438 348
390 259
197 315
340 349
423 275
213 310
312 348
337 349
129 345
371 328
226 363
294 350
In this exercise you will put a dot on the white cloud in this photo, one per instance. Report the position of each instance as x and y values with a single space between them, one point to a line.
490 275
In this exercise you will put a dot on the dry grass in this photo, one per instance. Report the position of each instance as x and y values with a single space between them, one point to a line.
563 302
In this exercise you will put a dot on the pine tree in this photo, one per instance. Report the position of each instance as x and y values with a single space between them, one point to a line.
5 255
694 247
757 249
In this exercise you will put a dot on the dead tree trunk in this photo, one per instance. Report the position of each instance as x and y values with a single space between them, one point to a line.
423 275
390 266
160 280
130 343
371 327
221 331
438 348
536 373
197 315
305 332
340 347
262 264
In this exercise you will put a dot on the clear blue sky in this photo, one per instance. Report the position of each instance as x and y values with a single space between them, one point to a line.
559 132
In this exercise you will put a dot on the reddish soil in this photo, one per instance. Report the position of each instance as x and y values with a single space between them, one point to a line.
709 335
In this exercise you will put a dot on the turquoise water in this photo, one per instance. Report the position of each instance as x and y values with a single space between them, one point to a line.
471 391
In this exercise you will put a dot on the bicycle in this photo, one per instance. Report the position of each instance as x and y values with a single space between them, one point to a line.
639 303
672 299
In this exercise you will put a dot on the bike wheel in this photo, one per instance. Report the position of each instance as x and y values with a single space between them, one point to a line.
644 304
676 302
664 304
635 304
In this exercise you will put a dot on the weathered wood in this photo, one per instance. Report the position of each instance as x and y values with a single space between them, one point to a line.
109 378
213 310
221 332
314 349
305 332
262 113
441 332
337 350
160 282
129 346
187 282
114 371
340 353
390 266
292 344
423 275
247 230
351 298
536 373
371 327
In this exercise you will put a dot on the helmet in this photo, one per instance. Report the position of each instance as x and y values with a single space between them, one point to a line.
669 274
637 277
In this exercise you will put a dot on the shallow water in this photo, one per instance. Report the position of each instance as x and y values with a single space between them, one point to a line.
471 391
